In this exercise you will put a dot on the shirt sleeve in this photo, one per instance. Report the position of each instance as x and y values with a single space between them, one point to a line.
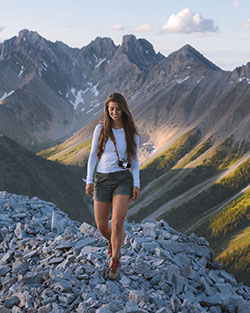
135 164
93 154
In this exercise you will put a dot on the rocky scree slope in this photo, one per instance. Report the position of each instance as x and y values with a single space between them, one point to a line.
49 263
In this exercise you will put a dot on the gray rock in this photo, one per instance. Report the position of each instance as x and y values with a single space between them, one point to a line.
64 245
103 309
179 282
86 228
57 309
63 286
137 296
172 270
125 281
209 291
34 279
19 232
164 310
9 303
149 246
136 243
88 241
56 260
175 304
149 229
209 301
16 309
132 307
242 305
4 269
45 308
19 267
7 257
4 309
66 298
64 270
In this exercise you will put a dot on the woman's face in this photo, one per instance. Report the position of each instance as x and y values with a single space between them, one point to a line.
115 111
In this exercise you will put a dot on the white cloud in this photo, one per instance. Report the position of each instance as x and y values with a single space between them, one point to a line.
146 28
116 27
236 3
188 22
248 23
1 28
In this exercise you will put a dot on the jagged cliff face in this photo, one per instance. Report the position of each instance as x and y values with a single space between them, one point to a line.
49 90
185 90
169 96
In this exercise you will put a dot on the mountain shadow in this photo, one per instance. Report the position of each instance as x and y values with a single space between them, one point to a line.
23 172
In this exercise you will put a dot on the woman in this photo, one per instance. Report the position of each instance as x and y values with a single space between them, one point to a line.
115 147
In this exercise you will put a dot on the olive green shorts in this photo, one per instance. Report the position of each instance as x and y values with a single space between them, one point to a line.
107 185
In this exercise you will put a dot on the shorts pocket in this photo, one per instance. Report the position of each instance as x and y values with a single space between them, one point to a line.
99 178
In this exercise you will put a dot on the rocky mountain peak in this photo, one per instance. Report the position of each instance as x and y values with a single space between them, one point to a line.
27 42
162 270
30 36
189 55
126 39
100 47
242 72
139 51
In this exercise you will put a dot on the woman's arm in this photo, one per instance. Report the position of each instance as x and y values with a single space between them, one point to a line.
135 164
93 154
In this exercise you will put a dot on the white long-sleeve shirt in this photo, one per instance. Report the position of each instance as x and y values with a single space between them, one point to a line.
108 161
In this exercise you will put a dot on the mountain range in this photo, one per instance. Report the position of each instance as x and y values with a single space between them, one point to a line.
192 116
49 90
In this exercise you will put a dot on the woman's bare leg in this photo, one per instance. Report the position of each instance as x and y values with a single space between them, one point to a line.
120 207
102 210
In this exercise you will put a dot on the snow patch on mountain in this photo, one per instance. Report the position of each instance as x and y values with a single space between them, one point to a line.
199 80
180 81
149 147
6 95
76 97
241 79
21 71
100 62
94 90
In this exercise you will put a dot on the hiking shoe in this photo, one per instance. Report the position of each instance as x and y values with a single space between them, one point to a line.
113 271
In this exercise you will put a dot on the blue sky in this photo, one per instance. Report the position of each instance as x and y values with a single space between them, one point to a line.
219 29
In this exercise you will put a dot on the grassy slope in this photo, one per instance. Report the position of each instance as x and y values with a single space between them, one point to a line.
236 214
228 234
191 211
236 257
163 162
186 178
74 155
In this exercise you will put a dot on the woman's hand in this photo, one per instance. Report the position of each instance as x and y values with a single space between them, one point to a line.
136 193
89 190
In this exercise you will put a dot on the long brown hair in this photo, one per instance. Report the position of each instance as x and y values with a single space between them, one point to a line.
128 125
